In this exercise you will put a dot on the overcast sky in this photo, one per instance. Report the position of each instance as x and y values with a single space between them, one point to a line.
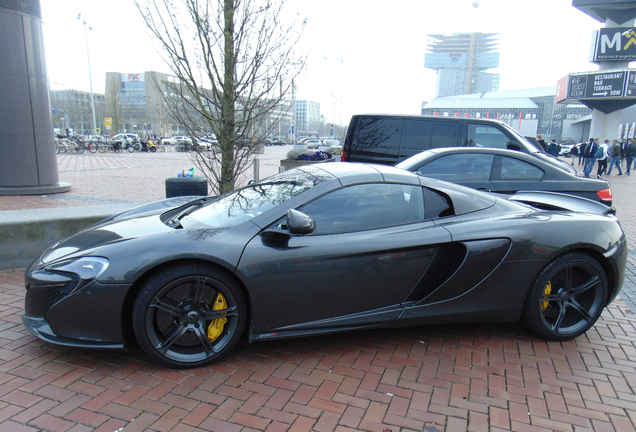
364 55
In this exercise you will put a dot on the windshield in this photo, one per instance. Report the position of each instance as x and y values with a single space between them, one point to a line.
246 203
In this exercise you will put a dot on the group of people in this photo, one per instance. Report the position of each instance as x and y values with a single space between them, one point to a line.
608 155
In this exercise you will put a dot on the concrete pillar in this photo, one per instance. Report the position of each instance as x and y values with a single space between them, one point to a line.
28 164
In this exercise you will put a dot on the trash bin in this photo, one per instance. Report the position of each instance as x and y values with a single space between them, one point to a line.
186 186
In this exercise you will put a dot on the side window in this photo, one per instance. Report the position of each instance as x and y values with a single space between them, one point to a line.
444 134
416 134
366 207
515 169
377 132
459 167
486 136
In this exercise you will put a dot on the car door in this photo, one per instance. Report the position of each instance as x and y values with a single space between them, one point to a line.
371 246
467 169
511 175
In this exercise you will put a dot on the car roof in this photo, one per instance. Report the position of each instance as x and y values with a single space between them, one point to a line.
534 158
465 200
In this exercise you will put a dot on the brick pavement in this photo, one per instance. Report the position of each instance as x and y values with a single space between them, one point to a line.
431 378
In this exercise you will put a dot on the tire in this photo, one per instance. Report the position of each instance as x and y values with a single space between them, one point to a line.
173 311
130 148
57 148
93 148
103 148
153 149
79 148
567 298
137 147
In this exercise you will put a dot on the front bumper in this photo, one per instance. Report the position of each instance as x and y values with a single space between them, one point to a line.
41 329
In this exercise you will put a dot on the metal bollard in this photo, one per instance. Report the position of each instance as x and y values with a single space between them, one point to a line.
256 169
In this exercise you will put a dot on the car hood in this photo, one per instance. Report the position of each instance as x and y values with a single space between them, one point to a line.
137 222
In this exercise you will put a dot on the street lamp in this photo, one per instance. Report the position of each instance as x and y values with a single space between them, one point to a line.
90 79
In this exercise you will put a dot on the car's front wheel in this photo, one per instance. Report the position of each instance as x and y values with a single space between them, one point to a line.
189 315
567 298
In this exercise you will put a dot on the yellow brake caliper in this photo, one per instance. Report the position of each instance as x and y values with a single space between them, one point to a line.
216 326
546 292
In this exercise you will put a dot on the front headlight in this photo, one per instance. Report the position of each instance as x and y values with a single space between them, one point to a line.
86 268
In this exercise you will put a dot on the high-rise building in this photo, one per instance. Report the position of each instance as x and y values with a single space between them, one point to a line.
461 60
307 117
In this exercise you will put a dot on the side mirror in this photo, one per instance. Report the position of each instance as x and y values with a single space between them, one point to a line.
300 223
513 146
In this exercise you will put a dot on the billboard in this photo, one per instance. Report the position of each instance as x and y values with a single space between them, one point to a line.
561 89
614 44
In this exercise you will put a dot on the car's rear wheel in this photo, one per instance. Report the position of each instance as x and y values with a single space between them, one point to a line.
567 298
189 315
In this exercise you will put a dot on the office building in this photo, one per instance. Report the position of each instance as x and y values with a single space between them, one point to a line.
529 111
71 111
461 61
307 117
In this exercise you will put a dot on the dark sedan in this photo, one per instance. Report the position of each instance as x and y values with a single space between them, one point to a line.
505 171
320 249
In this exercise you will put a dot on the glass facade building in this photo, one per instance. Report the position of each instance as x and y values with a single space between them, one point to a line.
307 117
461 61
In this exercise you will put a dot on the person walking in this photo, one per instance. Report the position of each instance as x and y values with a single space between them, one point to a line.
601 157
623 146
542 143
590 150
614 157
574 152
630 154
582 147
554 149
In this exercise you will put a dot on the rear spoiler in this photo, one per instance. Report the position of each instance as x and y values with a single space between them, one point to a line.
559 201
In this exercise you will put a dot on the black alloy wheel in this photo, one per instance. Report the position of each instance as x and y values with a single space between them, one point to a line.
567 298
175 311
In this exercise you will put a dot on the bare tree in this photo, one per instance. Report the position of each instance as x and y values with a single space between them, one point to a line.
233 63
114 109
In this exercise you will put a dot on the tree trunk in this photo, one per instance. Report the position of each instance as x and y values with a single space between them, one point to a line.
227 139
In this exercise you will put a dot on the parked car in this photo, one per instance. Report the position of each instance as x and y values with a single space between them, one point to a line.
176 140
207 142
389 139
125 138
320 249
312 143
505 171
279 142
332 143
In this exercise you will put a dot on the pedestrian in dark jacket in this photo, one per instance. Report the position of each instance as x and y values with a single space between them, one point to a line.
590 149
614 157
574 152
542 143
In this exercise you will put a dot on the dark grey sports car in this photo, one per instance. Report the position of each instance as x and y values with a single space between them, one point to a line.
505 171
319 249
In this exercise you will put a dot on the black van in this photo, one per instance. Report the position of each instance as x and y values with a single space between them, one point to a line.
388 139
